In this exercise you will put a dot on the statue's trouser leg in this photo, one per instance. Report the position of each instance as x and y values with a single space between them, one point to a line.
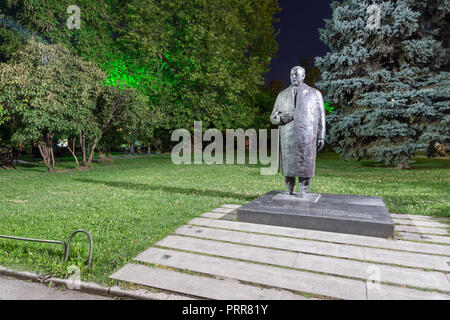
290 184
304 184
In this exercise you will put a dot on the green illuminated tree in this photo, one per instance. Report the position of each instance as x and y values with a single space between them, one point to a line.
392 83
205 58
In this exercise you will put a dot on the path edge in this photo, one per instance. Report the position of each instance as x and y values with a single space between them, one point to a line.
89 287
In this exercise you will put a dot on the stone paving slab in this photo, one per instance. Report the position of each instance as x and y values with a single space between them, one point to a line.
427 237
393 244
229 217
366 270
213 215
421 223
329 236
419 217
384 292
248 227
421 230
199 286
317 284
418 260
408 259
298 245
231 206
263 255
210 233
340 267
223 210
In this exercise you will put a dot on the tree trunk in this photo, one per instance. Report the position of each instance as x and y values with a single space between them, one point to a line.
6 158
91 153
73 150
83 147
53 158
403 166
46 149
102 156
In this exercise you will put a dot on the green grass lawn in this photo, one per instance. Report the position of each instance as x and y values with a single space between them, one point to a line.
133 203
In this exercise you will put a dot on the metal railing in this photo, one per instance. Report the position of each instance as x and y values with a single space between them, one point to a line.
64 244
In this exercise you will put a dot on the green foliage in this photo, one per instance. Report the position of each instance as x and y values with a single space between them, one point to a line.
205 58
48 19
195 60
51 93
392 84
48 89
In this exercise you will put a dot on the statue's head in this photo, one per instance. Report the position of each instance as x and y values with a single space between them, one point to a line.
297 75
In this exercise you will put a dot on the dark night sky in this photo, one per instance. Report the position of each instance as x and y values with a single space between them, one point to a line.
299 36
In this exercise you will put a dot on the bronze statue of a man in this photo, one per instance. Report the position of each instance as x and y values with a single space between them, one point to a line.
300 114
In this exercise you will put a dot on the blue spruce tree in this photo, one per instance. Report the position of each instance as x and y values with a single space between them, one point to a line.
388 70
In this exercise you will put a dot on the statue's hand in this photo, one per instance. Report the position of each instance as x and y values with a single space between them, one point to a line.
320 144
286 118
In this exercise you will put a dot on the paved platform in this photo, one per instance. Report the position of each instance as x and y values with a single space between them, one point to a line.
216 257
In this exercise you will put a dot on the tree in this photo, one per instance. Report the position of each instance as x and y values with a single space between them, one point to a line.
203 60
116 109
48 20
312 72
49 92
275 87
391 83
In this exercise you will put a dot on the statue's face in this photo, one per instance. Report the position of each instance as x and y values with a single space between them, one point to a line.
297 76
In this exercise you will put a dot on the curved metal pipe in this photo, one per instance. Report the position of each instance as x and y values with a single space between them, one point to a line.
91 244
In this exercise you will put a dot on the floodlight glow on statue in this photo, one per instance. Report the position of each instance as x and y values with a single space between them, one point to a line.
300 114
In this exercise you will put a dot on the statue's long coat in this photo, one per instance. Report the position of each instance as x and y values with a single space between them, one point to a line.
298 139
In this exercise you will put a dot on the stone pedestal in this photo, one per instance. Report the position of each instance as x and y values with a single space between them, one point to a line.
367 216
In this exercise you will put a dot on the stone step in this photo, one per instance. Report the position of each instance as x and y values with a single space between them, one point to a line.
199 286
223 210
326 236
249 227
298 245
421 230
340 267
384 292
427 237
418 217
420 223
418 260
229 250
316 284
213 215
231 206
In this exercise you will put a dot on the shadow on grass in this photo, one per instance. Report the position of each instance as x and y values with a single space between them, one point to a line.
188 191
